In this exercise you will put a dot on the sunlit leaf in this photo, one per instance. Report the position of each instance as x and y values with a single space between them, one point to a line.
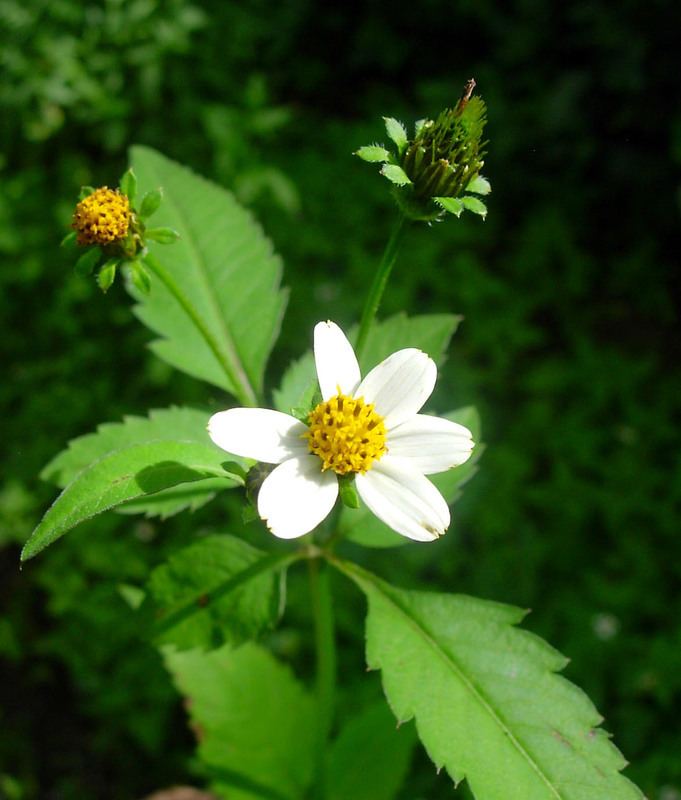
123 475
167 424
487 703
217 310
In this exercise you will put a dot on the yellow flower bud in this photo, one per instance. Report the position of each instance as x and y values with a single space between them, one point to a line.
102 218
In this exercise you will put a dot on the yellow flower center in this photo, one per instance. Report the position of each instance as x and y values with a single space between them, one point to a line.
346 433
102 218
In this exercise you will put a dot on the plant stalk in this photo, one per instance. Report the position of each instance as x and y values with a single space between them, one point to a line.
379 283
325 646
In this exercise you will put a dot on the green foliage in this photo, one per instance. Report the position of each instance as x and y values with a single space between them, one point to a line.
217 590
397 132
370 758
222 255
256 722
126 474
477 686
169 424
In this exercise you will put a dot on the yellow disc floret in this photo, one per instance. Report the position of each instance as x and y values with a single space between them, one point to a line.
346 433
102 218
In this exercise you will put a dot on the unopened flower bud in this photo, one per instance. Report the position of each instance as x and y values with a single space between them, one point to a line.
438 170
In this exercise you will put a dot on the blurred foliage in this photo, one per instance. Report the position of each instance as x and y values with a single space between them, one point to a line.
570 344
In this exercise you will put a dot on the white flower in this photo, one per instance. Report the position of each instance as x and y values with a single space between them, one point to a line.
368 427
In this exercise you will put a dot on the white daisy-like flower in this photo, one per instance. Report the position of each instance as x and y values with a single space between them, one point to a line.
370 428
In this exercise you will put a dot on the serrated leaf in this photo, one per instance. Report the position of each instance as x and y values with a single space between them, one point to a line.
370 758
226 273
362 527
373 154
397 132
474 205
479 185
168 424
395 174
452 205
256 722
217 590
483 692
123 475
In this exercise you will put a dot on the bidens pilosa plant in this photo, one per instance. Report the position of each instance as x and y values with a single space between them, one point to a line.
349 456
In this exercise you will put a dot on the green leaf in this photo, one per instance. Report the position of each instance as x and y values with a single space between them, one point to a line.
216 590
162 235
125 474
373 153
256 721
68 240
395 174
485 693
479 185
168 424
128 185
140 277
474 205
429 332
364 528
370 758
85 191
107 275
88 261
397 132
218 312
150 203
299 386
453 205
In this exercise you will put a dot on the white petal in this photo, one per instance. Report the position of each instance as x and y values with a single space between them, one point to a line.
258 433
296 496
404 499
335 359
400 385
431 444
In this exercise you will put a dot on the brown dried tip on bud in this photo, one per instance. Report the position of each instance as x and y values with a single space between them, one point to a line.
102 218
467 92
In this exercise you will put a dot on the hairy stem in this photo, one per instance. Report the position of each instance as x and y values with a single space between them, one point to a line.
380 280
325 646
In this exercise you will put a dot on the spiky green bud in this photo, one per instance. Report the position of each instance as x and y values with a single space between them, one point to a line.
438 170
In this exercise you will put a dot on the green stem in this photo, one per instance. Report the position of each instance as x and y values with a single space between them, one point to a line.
242 388
325 646
378 286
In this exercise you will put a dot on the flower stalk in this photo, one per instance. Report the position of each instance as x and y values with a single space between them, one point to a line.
325 650
379 283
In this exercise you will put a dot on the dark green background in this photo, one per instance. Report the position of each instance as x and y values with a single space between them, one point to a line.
569 347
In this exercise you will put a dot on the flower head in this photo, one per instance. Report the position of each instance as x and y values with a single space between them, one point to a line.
367 428
102 217
437 171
